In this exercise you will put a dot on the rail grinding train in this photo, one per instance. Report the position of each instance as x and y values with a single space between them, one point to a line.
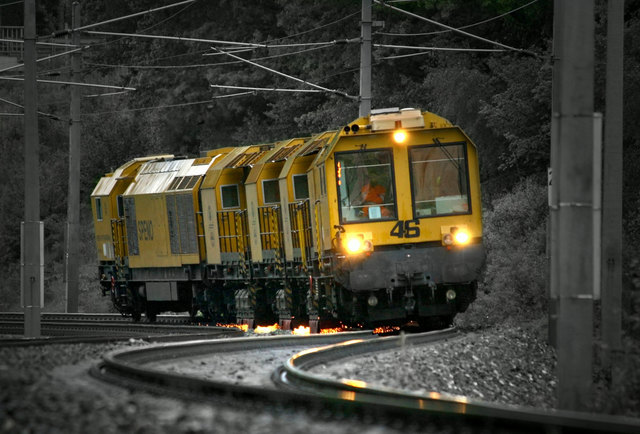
377 223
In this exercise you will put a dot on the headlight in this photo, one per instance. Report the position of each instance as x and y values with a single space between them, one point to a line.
399 136
358 243
455 235
461 237
354 245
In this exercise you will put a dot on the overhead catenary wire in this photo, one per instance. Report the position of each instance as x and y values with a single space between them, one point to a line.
222 42
11 4
208 101
462 32
71 83
95 95
346 17
114 20
268 42
49 44
461 27
410 47
205 65
53 56
266 89
151 26
177 38
232 95
6 101
337 92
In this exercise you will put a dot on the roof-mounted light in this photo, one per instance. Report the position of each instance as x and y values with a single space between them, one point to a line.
399 136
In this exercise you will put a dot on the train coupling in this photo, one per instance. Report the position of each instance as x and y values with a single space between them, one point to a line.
409 301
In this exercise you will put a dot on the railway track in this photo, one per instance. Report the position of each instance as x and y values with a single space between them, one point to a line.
96 317
297 388
96 328
294 375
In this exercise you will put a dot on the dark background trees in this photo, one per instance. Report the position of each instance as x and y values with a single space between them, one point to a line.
502 101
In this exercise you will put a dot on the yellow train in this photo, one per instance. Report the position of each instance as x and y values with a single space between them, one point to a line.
378 223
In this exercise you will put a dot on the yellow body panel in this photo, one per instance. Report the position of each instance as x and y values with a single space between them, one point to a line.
153 240
254 224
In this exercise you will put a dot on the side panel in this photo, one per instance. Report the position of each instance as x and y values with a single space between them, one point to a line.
181 219
254 224
150 237
210 212
102 227
286 223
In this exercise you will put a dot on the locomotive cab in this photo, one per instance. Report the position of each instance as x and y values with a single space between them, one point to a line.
402 217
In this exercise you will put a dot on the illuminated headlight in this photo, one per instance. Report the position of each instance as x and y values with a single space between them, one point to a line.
354 245
399 136
372 301
451 295
458 235
461 237
358 243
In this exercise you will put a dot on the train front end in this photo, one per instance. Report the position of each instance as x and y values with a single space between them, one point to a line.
403 218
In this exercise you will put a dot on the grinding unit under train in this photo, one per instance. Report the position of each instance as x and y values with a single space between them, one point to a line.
378 223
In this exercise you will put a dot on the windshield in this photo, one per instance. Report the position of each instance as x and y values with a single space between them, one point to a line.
439 180
365 186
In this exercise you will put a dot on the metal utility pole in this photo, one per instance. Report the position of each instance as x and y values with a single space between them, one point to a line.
73 200
574 250
553 178
32 229
612 188
365 59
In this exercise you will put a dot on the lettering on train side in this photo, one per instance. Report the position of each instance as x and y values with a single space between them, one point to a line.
145 230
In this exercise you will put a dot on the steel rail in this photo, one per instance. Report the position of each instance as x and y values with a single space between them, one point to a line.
61 331
99 317
294 375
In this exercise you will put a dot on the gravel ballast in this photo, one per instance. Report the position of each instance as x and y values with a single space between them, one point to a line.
505 366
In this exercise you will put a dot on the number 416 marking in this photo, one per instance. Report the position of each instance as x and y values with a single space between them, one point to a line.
406 229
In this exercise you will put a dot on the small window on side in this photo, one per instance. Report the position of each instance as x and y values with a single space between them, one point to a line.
99 208
323 182
120 206
270 191
300 187
230 196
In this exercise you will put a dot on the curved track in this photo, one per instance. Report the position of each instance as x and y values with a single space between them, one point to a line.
300 389
294 376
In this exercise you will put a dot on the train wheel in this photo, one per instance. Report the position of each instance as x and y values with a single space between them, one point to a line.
152 315
136 315
446 321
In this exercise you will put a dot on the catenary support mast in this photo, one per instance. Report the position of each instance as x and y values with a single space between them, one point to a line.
612 186
365 60
73 200
32 232
573 260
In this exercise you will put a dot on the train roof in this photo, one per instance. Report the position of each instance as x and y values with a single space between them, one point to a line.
108 182
177 174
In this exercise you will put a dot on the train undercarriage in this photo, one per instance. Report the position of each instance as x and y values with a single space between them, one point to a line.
346 290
